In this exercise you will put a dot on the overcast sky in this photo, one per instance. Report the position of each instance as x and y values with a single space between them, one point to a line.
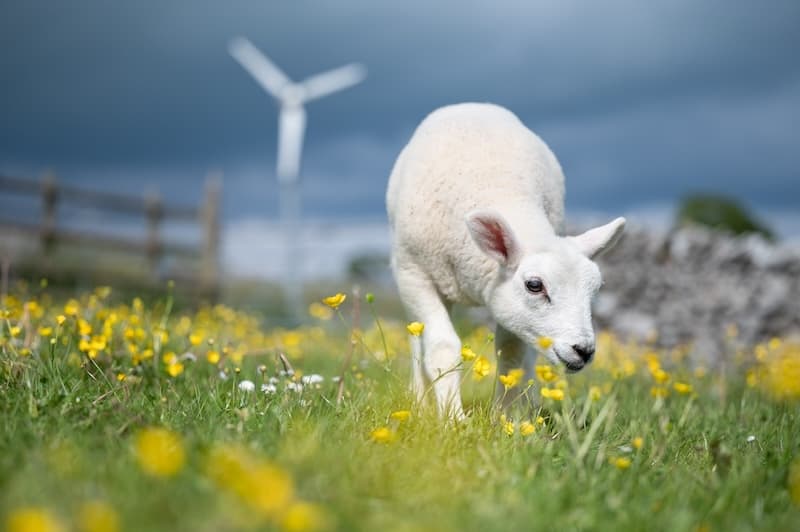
642 102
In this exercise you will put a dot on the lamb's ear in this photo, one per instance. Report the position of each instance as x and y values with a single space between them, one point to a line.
494 236
597 241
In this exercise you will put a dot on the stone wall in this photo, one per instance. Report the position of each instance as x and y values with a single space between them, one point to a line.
692 284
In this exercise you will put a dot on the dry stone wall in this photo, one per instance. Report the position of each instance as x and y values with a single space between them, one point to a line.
692 284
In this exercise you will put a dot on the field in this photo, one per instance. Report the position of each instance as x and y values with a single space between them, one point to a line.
122 415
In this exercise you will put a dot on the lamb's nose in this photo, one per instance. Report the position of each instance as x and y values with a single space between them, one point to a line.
584 351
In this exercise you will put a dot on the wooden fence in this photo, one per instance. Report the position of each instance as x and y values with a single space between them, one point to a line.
151 206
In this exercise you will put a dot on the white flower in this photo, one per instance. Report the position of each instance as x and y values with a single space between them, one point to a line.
625 449
247 386
294 386
337 378
751 439
189 356
269 388
274 380
222 375
285 373
312 379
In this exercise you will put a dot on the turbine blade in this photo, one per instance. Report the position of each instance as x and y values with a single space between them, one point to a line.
269 76
291 128
332 81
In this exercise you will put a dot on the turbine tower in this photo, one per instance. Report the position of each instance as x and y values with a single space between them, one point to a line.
291 98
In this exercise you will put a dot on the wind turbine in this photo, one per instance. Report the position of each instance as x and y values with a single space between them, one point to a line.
291 97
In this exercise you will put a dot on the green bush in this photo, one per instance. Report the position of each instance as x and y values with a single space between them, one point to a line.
721 213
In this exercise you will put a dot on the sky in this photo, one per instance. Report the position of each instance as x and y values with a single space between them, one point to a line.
642 102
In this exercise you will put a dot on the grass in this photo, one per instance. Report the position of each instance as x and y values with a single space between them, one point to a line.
719 453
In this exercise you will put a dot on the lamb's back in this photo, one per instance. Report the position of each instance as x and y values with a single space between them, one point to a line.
461 158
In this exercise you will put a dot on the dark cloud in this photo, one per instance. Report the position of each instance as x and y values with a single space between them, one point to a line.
641 102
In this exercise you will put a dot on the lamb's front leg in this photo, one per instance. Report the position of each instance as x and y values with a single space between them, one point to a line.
442 362
512 354
441 347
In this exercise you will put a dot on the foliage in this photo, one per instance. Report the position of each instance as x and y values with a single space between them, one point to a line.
127 416
721 213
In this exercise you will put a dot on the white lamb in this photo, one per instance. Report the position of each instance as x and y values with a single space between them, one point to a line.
476 205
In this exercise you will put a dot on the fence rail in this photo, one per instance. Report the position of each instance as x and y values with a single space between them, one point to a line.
151 206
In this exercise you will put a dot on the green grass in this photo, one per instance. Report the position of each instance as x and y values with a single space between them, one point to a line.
67 433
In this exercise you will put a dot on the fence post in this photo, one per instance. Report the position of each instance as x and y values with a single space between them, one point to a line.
155 212
209 273
49 200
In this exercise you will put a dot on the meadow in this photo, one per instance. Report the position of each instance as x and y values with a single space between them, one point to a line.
116 414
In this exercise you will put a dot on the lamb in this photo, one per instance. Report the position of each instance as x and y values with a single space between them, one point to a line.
476 210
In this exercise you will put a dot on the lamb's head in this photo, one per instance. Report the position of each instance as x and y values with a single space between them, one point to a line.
545 289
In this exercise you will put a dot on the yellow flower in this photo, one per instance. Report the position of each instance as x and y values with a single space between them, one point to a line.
637 442
660 376
159 452
761 352
540 420
103 291
303 517
595 393
781 377
121 377
682 387
15 330
508 426
400 415
544 342
84 328
34 308
97 343
526 428
467 354
31 519
659 392
212 357
481 368
555 394
751 377
513 378
335 300
793 481
319 311
621 462
382 435
415 328
264 486
97 516
45 331
196 338
72 308
60 319
175 369
545 373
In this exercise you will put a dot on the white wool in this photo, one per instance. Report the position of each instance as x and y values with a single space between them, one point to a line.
476 206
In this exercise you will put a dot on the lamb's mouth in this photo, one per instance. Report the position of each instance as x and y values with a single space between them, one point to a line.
572 367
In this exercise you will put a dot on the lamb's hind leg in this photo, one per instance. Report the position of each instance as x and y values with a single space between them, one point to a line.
512 354
439 348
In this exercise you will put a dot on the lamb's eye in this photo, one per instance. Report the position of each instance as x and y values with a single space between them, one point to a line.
534 286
